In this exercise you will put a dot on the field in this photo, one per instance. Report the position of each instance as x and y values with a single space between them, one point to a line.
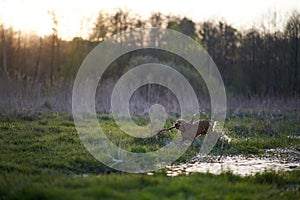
42 158
123 62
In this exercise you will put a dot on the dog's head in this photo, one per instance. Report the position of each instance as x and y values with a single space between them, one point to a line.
180 124
177 124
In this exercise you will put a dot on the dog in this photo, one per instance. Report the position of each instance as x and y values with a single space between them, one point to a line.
191 130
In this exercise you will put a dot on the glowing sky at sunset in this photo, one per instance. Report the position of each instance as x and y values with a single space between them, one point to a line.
76 17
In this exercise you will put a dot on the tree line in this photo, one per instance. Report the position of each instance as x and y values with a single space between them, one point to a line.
252 62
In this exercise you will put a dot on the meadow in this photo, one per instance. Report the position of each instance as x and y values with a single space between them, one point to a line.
42 157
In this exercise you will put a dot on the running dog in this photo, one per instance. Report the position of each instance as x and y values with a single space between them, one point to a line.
190 130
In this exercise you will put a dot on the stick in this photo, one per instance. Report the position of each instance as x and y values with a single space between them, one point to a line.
166 129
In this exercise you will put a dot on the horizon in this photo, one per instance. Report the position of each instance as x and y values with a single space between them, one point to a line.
77 19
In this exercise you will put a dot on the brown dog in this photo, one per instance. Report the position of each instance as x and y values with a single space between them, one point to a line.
190 130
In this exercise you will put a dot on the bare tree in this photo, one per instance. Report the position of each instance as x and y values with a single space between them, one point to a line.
4 55
54 42
37 63
101 29
292 31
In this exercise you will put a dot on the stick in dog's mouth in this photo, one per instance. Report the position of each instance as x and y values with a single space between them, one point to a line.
167 129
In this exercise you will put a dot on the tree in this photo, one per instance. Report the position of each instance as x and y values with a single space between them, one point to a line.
187 27
4 53
101 28
54 59
156 20
292 31
37 63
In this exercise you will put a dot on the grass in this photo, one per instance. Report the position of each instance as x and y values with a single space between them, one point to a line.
42 157
158 186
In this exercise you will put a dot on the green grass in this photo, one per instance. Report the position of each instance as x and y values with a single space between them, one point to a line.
140 186
253 133
47 144
42 157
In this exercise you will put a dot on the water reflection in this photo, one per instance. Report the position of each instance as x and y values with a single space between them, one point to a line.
273 159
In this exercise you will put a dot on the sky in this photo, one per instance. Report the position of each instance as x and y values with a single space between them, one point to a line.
76 17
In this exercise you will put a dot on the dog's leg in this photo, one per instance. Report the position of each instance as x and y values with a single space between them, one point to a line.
221 147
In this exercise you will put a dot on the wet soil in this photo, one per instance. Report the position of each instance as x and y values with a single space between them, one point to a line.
271 160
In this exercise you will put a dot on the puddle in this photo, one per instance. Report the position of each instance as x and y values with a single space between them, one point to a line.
273 159
293 136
